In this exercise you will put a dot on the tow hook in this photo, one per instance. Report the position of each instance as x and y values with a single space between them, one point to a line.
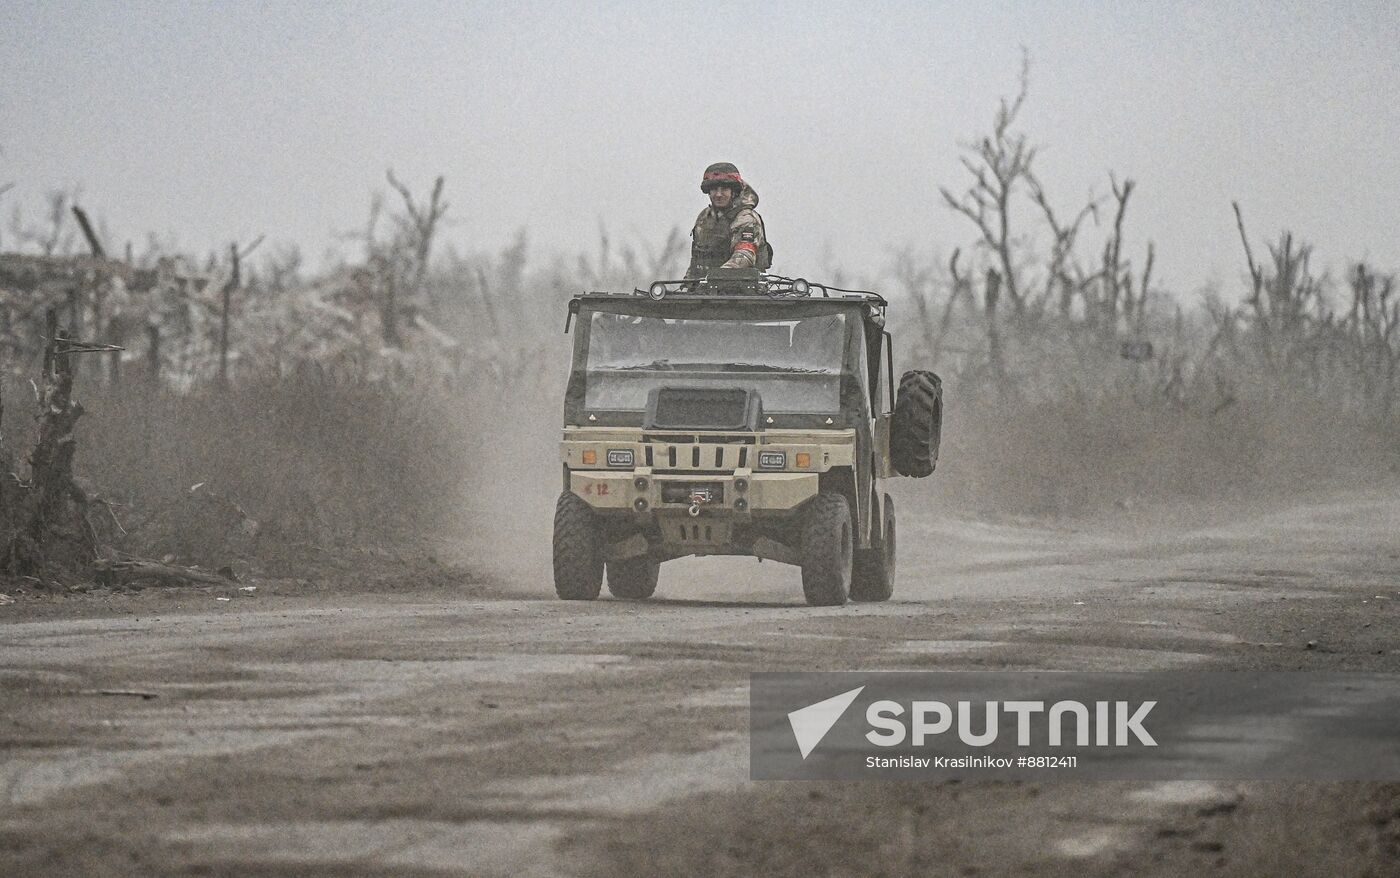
699 497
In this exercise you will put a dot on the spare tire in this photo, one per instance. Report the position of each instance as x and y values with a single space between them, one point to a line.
917 424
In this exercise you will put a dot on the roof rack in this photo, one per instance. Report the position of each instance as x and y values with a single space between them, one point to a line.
737 285
748 282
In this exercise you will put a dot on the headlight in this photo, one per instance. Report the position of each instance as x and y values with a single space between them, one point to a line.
772 459
619 457
657 291
800 287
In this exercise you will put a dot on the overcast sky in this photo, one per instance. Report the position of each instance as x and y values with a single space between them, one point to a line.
209 122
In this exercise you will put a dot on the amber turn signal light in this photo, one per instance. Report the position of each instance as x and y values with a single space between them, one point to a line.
590 458
804 460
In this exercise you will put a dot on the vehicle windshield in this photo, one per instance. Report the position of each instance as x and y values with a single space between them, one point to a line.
793 364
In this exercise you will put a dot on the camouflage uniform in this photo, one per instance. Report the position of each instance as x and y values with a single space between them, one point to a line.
730 238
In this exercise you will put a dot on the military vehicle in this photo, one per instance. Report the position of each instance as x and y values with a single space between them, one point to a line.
737 414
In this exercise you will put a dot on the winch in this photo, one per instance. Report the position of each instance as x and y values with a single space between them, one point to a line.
700 497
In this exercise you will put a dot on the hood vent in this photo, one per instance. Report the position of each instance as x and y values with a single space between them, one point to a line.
703 408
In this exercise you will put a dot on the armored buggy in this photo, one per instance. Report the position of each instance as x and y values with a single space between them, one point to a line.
738 414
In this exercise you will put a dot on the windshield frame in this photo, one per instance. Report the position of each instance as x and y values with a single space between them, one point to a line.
853 403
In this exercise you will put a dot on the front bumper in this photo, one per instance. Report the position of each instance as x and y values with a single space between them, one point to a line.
762 492
649 505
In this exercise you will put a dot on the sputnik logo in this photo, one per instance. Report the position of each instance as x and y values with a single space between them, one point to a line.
811 723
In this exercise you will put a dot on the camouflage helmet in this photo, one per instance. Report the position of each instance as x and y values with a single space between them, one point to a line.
721 174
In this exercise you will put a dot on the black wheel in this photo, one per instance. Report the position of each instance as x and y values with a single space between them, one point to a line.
873 577
578 550
827 543
917 425
633 579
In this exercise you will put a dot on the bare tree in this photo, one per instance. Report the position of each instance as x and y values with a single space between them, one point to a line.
403 261
1113 277
1061 261
999 164
52 236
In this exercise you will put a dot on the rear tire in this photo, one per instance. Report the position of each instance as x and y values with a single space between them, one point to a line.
873 577
578 550
917 426
827 549
633 579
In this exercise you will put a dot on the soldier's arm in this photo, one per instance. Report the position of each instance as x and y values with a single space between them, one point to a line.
745 237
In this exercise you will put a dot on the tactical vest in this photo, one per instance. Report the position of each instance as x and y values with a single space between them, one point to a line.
710 245
709 240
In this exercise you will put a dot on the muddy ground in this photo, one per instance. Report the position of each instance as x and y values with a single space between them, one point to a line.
416 715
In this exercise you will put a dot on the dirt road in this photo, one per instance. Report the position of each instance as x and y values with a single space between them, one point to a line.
484 728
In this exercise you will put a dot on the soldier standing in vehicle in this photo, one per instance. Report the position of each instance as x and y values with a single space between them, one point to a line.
729 233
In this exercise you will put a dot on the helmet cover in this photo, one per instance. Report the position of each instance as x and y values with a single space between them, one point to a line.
721 174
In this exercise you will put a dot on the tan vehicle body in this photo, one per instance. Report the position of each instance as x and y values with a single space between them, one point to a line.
736 414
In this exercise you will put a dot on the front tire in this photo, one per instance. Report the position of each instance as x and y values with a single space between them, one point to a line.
633 579
873 577
827 549
578 550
